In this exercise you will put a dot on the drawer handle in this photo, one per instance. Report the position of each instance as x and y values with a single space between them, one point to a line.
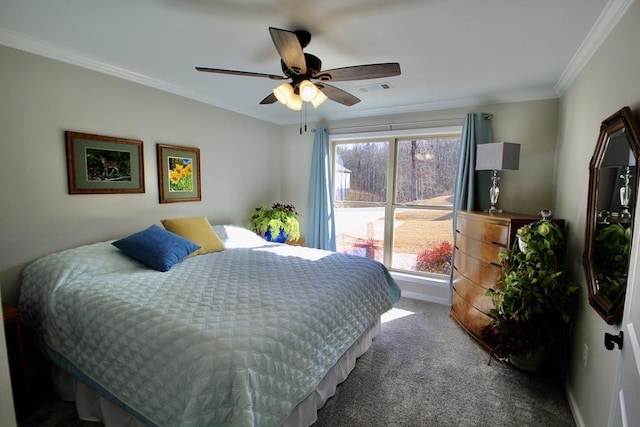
496 264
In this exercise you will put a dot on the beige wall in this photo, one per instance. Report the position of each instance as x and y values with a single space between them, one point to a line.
41 98
608 83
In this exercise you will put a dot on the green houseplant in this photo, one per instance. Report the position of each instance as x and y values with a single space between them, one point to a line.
533 300
277 223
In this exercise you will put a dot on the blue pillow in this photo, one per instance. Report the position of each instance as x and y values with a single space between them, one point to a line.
156 247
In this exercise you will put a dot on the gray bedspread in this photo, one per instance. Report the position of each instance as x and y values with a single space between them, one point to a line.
233 338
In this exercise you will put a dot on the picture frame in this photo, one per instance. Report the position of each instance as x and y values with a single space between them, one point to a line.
179 174
98 164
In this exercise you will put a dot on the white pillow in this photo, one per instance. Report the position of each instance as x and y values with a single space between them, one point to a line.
234 236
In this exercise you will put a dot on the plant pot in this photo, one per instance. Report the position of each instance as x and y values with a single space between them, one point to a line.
281 237
531 362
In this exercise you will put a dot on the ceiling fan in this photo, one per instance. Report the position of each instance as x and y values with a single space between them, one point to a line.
302 67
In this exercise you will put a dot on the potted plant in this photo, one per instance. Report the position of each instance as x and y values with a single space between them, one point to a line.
277 223
533 300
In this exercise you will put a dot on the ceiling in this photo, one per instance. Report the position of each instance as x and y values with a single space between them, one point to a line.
452 53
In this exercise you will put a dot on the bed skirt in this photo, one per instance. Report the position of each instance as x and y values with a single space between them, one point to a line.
91 406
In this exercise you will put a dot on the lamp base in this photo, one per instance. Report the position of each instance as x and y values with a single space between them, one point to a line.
494 193
493 210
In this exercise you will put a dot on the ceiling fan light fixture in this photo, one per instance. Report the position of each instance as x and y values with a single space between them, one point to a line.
300 68
308 91
294 102
283 93
319 99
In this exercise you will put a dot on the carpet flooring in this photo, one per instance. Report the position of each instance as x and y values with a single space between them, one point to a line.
422 370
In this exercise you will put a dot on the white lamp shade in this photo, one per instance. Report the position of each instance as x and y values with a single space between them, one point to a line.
307 90
283 93
498 156
295 102
319 99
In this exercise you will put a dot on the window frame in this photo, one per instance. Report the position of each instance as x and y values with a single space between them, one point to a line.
390 205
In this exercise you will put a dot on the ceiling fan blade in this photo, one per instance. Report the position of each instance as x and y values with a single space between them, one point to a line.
290 50
338 95
270 99
360 72
240 73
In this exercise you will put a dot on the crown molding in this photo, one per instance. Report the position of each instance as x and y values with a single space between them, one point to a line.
606 22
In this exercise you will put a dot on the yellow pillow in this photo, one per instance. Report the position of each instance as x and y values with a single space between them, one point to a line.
198 230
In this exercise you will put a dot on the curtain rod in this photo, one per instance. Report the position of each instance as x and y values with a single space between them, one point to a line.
391 125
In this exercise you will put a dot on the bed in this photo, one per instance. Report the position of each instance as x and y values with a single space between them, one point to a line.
256 334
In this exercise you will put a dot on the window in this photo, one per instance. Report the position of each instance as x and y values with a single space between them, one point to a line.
393 200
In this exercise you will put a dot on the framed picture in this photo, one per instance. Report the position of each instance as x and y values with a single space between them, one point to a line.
178 173
99 164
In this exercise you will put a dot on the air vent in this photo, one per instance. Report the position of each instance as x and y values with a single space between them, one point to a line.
375 87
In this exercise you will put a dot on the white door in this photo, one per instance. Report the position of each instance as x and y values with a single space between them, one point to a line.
625 410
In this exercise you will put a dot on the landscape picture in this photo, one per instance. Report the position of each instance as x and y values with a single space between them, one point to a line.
108 165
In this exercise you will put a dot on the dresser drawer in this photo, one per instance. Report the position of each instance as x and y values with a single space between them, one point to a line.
471 292
484 251
483 273
469 317
486 231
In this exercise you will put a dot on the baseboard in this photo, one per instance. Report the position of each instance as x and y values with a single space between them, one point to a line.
424 288
424 297
575 411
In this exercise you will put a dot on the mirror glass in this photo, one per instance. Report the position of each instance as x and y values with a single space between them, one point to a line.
613 188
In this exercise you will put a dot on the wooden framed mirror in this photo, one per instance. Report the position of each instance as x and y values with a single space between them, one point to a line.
613 190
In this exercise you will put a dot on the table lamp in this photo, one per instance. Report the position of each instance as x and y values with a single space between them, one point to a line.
497 156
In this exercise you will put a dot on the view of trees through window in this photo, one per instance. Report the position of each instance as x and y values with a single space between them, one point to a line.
393 200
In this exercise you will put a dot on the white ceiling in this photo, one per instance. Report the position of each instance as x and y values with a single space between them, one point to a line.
452 53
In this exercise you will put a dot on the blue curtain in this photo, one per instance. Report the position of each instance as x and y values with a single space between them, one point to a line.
320 231
471 184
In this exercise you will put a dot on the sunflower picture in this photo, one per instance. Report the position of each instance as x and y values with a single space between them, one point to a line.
180 174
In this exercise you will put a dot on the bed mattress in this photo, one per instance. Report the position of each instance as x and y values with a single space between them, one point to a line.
238 337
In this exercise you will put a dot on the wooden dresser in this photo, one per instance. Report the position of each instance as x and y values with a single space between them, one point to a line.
480 237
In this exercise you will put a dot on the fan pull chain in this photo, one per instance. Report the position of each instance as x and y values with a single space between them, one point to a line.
303 117
303 113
